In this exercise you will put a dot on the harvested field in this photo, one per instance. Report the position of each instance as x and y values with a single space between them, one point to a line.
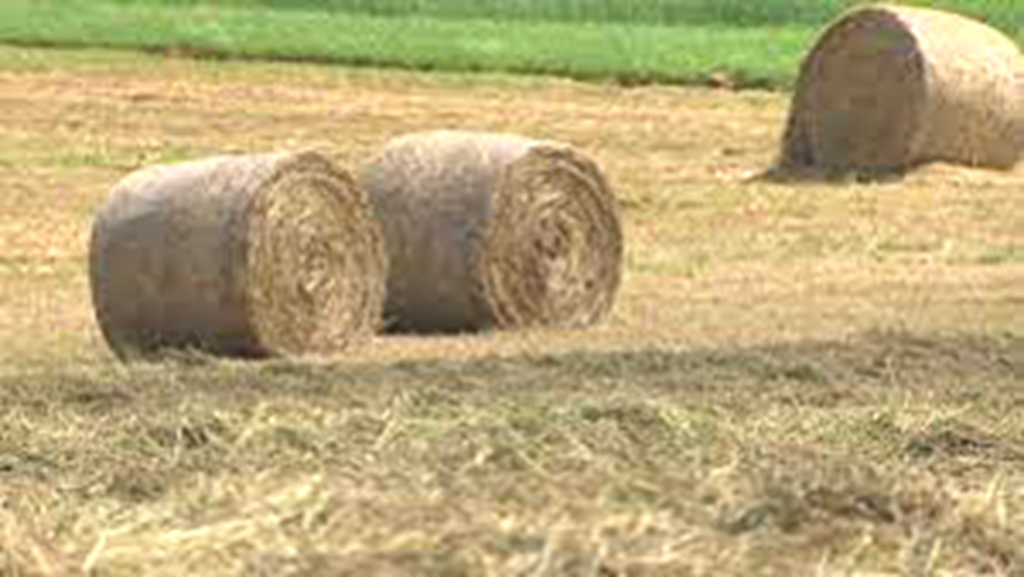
795 379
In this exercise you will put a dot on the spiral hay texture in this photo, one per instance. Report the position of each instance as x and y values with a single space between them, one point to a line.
492 231
240 256
887 88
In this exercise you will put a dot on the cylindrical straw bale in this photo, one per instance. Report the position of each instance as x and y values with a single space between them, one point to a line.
492 231
887 88
266 255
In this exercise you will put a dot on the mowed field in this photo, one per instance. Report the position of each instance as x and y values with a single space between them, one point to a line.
799 378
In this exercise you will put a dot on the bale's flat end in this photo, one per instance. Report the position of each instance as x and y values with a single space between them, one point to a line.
316 261
553 254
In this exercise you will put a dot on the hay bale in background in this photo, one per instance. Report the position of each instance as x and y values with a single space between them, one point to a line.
244 256
494 231
887 88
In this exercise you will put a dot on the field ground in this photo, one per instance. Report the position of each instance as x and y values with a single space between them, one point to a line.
799 378
731 42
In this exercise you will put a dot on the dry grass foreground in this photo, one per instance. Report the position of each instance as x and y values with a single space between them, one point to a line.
808 378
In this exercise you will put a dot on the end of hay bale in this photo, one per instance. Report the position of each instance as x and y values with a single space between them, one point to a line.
552 256
316 259
886 88
244 256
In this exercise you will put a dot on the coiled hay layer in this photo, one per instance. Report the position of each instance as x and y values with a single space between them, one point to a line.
488 231
242 256
887 88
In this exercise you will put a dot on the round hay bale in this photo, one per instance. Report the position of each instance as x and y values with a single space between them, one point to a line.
492 231
887 88
249 256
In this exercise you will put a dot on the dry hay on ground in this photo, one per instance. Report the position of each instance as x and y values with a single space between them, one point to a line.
250 256
494 231
887 88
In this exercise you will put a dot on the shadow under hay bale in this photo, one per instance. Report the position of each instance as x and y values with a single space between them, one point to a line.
242 256
887 88
492 231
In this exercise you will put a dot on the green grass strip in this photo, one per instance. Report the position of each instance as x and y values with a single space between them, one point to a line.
1006 14
629 53
766 56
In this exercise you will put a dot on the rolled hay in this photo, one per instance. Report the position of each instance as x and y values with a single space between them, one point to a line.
494 231
887 88
251 256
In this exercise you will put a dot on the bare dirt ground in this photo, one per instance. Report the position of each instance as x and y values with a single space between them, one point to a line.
797 377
